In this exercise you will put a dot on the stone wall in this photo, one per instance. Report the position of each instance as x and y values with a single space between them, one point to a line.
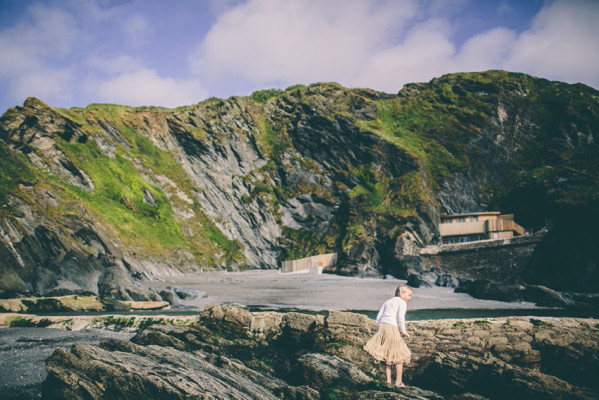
501 260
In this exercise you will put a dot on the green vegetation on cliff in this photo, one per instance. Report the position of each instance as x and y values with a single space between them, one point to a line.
14 170
325 168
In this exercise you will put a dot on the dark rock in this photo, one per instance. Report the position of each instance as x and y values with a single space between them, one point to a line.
346 327
45 305
493 378
321 370
485 289
67 292
167 296
408 393
432 278
7 294
420 280
543 296
583 300
189 293
111 304
408 265
230 315
468 396
362 259
460 360
447 280
151 372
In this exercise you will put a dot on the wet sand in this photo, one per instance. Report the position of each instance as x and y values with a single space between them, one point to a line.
23 352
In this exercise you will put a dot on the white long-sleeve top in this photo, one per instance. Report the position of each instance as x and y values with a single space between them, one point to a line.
393 312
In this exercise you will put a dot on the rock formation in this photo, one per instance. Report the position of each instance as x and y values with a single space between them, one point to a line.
231 353
94 199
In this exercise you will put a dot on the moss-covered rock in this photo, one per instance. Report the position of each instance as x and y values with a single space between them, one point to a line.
93 199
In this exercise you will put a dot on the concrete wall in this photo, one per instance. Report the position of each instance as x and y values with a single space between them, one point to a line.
323 260
503 259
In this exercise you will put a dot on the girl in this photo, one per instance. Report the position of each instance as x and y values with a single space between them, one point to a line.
387 344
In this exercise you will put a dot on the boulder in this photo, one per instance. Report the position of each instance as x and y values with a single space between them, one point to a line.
300 324
349 327
486 289
126 370
232 353
417 277
266 323
323 370
188 293
168 296
492 377
543 296
227 314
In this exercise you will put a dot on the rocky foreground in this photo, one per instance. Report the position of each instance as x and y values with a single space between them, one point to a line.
231 353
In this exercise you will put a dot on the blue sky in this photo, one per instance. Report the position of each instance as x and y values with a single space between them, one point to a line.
178 52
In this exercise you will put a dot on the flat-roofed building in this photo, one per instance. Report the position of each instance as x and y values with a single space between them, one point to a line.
470 227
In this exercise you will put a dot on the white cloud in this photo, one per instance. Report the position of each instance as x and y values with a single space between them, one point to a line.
487 50
73 53
425 52
31 52
383 45
44 84
136 29
114 65
145 87
561 44
70 52
294 41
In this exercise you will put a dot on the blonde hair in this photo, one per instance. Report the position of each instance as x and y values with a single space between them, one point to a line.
401 289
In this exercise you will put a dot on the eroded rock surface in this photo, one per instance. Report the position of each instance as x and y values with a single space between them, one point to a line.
234 354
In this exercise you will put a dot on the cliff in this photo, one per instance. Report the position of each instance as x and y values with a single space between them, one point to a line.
230 353
94 199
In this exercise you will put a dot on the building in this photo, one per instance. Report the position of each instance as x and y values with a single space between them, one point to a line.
470 227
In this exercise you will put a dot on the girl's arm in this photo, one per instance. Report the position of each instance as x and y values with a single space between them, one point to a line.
380 314
401 317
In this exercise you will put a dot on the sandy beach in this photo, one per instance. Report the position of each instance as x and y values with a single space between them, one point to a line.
270 288
25 349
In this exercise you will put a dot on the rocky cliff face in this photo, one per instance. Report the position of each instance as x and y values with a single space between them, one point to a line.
230 353
94 199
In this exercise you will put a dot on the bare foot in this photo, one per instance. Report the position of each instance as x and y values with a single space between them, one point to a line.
400 385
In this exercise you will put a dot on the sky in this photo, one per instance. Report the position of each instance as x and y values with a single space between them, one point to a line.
70 53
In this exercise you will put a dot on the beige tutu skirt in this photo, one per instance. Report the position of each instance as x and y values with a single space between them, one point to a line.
387 346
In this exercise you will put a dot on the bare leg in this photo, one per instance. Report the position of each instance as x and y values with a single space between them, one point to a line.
398 375
388 373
